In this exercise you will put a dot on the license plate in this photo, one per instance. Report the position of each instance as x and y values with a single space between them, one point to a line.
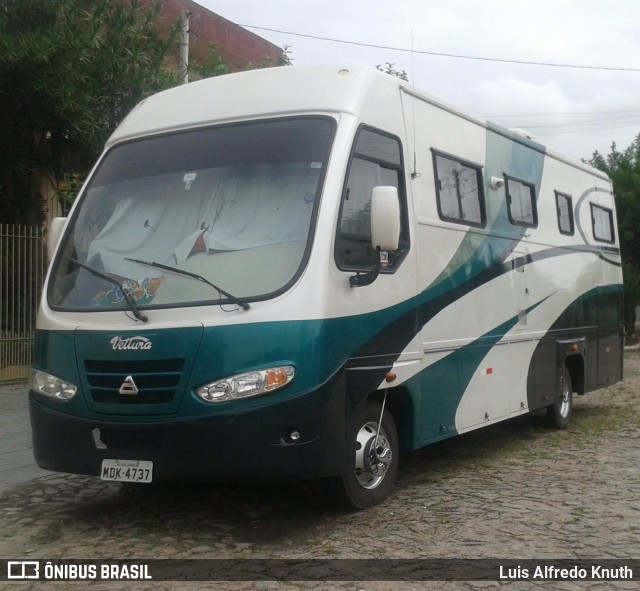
127 470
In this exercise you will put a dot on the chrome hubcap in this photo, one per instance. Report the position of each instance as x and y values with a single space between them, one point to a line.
373 456
565 401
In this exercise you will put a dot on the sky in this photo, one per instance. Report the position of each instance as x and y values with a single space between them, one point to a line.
583 100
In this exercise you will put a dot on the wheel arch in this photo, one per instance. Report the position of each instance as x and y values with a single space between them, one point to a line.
400 404
576 367
571 354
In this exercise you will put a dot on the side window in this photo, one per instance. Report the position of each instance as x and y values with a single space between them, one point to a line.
376 161
602 221
564 209
459 191
521 202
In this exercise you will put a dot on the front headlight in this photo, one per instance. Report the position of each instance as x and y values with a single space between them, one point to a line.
247 384
51 386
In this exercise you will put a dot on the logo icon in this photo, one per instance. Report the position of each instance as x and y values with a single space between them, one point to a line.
128 387
23 569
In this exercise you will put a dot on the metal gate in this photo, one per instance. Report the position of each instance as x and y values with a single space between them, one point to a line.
23 260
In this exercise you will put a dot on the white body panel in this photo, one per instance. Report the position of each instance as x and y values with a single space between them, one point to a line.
540 272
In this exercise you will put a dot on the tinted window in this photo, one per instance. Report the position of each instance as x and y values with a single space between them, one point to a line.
376 161
521 202
233 204
459 191
602 220
564 210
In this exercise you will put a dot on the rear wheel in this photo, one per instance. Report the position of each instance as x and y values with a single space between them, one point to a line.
375 460
559 414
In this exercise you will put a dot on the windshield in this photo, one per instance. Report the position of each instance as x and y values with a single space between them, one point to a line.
234 205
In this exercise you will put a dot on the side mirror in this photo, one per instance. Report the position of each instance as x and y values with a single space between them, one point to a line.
385 218
385 230
53 235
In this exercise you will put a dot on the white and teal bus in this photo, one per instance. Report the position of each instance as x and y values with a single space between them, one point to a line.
300 272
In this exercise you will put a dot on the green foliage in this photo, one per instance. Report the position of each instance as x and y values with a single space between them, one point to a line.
214 65
631 277
624 170
287 56
390 69
286 59
70 70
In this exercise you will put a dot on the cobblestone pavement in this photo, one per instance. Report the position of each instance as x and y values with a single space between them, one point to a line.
17 464
516 490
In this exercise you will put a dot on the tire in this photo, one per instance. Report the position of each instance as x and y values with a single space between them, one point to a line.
559 414
375 467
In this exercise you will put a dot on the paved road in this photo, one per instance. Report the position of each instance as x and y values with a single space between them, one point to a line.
16 457
514 491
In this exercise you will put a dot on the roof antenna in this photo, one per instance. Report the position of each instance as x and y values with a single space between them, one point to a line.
415 174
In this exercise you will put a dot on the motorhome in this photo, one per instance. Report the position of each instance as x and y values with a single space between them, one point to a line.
301 272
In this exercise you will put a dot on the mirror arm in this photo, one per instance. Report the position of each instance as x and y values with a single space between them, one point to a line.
368 277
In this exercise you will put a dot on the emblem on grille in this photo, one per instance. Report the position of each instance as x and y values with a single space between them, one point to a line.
136 343
128 387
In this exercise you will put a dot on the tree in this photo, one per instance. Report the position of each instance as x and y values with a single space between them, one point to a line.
624 170
70 70
390 69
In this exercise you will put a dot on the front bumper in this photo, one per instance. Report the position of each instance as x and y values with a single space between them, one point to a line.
249 445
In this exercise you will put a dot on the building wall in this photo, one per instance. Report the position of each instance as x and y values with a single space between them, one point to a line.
238 47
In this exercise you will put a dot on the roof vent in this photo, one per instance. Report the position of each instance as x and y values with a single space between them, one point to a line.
522 133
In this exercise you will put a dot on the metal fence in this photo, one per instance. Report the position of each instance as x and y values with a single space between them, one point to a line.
23 260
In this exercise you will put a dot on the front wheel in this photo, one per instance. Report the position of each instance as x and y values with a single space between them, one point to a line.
559 414
375 460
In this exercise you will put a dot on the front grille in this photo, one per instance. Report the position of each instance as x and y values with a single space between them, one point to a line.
156 380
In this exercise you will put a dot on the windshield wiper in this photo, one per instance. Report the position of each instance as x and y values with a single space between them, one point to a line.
131 303
236 300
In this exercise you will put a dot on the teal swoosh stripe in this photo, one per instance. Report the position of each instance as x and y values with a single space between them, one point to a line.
444 382
403 325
